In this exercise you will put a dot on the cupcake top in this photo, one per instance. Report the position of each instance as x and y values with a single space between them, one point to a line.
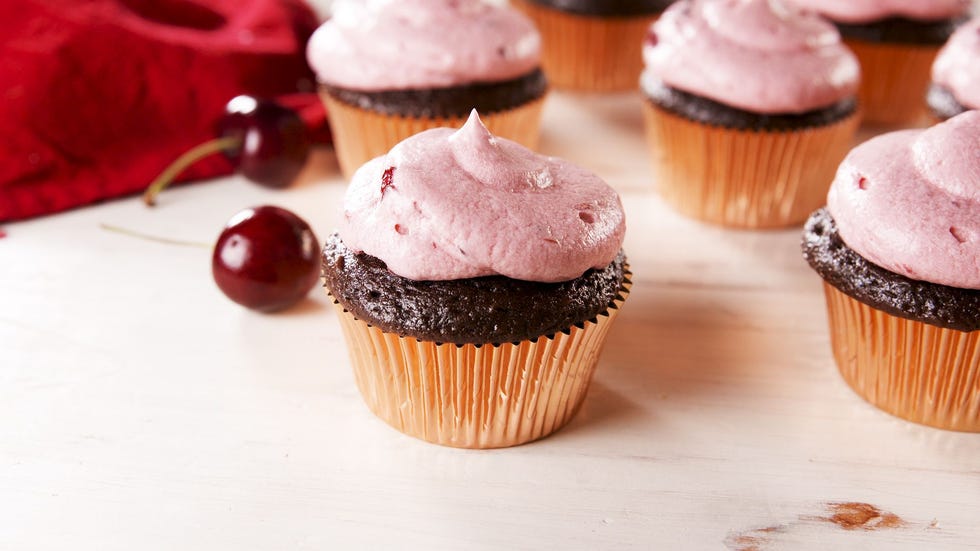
909 202
756 55
452 204
957 67
417 44
865 11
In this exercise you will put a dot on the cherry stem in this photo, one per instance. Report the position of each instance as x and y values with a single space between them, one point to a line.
187 159
155 238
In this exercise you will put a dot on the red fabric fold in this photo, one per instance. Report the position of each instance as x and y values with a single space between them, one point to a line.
98 96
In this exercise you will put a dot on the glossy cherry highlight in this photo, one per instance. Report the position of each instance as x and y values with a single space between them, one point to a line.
273 141
266 259
266 141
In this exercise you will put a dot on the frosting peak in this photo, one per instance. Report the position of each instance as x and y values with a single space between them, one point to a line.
478 152
454 204
909 202
762 56
407 44
957 66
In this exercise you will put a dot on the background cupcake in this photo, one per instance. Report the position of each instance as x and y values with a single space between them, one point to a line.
751 106
896 42
475 282
391 68
593 45
898 247
956 74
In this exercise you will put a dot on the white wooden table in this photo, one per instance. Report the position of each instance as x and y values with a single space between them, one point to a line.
140 409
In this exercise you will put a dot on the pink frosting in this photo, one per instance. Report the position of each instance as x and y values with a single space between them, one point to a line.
453 204
406 44
756 55
865 11
909 202
958 65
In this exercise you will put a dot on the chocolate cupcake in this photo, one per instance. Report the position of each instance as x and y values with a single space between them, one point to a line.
955 84
391 69
896 42
593 45
475 282
749 110
474 311
898 248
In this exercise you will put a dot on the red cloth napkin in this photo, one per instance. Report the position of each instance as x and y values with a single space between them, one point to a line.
98 96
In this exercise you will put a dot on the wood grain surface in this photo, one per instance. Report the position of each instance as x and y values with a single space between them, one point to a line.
140 409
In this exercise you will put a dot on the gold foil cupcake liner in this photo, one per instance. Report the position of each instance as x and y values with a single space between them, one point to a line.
476 396
593 54
744 178
894 81
360 135
914 370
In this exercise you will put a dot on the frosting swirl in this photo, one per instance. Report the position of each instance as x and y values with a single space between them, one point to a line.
957 67
375 45
454 204
865 11
909 202
755 55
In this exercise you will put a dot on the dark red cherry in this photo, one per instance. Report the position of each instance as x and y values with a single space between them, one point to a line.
266 258
272 143
266 141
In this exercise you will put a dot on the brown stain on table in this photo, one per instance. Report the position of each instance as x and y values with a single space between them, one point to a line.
745 542
861 516
851 515
752 540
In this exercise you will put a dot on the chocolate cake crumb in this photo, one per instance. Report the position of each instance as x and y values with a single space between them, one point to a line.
452 101
899 30
850 273
707 111
481 310
607 8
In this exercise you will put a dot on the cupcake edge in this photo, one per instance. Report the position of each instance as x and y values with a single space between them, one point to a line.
900 30
476 311
916 371
707 111
589 53
606 8
360 135
752 179
907 365
473 396
447 102
847 271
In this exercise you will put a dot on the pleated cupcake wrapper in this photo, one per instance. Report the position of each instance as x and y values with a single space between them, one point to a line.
360 135
597 54
914 370
744 178
468 396
894 81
